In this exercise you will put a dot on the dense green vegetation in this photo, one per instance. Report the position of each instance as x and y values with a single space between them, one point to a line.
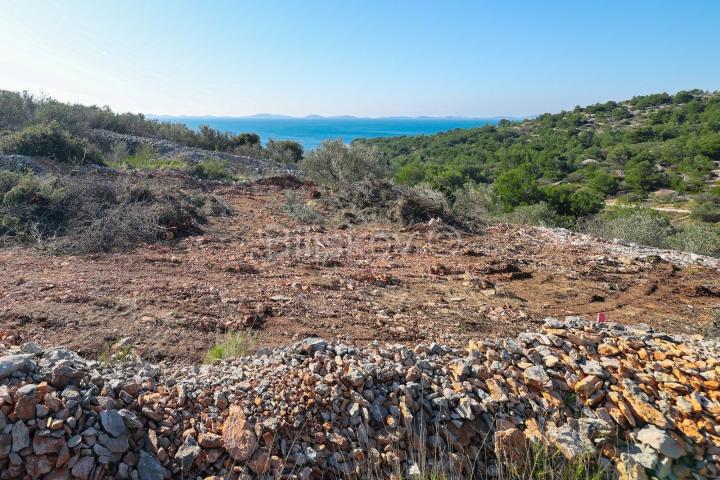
572 160
52 141
45 127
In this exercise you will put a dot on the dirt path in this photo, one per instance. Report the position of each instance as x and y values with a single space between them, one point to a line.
260 270
613 203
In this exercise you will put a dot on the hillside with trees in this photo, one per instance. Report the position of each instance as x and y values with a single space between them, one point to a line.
656 148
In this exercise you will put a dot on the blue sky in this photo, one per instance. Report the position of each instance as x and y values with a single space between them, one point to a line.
364 57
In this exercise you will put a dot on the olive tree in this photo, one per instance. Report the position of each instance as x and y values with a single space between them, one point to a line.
335 164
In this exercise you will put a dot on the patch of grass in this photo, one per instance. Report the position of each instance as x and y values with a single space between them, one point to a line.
547 465
145 158
117 354
212 169
233 345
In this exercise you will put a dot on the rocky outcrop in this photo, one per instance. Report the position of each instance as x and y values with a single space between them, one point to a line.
639 403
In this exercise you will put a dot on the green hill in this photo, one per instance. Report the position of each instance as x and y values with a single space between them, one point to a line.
574 160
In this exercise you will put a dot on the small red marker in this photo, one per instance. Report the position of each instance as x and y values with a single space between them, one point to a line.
601 317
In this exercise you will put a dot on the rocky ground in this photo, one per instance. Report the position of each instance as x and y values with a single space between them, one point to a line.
261 270
637 402
422 370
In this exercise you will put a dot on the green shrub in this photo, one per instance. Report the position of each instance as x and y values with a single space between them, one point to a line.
540 214
641 174
706 208
233 345
29 189
700 239
477 203
8 180
285 151
636 225
585 202
602 181
516 187
336 165
212 169
50 140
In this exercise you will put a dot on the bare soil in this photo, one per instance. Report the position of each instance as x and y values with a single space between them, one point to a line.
260 270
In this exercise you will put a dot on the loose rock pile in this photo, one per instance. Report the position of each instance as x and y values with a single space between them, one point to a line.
636 402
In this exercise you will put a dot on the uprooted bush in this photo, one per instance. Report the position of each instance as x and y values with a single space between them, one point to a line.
50 140
97 213
296 208
373 198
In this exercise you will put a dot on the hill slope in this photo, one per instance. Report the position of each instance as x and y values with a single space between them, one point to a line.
630 148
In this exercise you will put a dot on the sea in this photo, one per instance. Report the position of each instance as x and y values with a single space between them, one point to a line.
312 131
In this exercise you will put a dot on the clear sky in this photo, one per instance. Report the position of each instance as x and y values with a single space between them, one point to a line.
364 57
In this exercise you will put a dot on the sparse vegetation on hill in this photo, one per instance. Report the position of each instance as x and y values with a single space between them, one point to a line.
56 129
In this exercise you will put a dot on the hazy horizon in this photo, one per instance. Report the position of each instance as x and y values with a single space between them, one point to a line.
365 59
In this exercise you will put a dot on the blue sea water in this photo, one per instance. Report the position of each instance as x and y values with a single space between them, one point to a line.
310 132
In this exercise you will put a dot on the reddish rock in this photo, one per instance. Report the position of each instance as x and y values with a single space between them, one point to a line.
26 398
210 440
512 450
238 438
43 445
37 465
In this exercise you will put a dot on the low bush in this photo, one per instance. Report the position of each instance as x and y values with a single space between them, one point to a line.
636 225
336 165
285 151
477 203
702 239
379 199
98 213
707 208
538 214
50 140
420 204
